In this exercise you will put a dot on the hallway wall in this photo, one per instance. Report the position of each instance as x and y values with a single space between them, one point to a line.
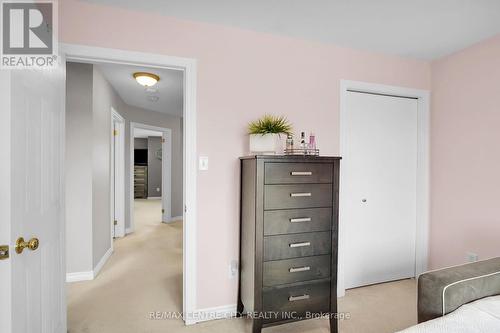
154 168
104 98
78 168
88 162
140 143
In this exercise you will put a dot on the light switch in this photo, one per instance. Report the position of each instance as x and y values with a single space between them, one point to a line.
233 269
203 163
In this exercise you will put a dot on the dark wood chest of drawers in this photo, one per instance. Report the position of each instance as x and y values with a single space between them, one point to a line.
288 239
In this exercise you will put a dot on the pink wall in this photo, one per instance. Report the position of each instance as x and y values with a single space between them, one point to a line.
465 160
242 75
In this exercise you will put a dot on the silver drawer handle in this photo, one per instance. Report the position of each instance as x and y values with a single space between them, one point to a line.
299 269
300 244
298 298
301 194
301 173
300 219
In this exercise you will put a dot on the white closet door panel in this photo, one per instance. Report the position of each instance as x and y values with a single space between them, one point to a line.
381 167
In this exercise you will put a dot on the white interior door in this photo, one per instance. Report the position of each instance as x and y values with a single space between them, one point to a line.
118 174
166 176
380 168
33 198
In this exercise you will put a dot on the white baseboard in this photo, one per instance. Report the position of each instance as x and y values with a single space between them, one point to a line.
174 219
101 262
79 276
218 312
128 231
90 275
153 198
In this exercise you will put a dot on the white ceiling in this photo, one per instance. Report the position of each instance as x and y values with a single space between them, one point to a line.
424 29
144 133
169 90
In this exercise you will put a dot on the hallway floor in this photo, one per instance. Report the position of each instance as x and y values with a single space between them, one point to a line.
144 274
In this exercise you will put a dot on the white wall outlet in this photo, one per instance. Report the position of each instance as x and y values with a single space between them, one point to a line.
203 163
233 269
472 257
157 189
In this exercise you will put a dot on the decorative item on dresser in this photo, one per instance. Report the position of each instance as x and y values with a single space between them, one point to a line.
288 238
265 134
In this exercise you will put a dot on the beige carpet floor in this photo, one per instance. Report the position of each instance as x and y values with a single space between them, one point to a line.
144 274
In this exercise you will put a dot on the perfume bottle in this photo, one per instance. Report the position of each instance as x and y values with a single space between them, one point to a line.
312 141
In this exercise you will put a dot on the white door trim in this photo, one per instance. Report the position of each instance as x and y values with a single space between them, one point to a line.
117 204
189 67
423 156
5 201
166 171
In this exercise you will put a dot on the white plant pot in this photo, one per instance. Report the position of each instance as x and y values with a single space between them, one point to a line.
267 144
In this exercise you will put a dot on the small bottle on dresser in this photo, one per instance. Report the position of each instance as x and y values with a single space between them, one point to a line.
312 141
303 140
289 142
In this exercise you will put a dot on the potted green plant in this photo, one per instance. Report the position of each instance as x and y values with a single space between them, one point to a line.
265 134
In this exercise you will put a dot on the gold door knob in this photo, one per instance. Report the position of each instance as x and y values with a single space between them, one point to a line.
32 244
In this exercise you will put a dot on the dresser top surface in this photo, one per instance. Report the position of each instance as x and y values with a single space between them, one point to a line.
292 158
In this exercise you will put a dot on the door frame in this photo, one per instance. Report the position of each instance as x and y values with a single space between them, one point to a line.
117 175
82 53
166 172
5 201
423 171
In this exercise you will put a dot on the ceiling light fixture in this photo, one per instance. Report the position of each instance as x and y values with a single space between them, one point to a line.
146 79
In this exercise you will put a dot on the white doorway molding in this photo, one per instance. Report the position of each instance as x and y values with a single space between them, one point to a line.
166 171
423 173
117 175
87 54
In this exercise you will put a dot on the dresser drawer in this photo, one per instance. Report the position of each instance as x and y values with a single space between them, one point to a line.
301 298
295 270
297 173
292 221
297 196
297 245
